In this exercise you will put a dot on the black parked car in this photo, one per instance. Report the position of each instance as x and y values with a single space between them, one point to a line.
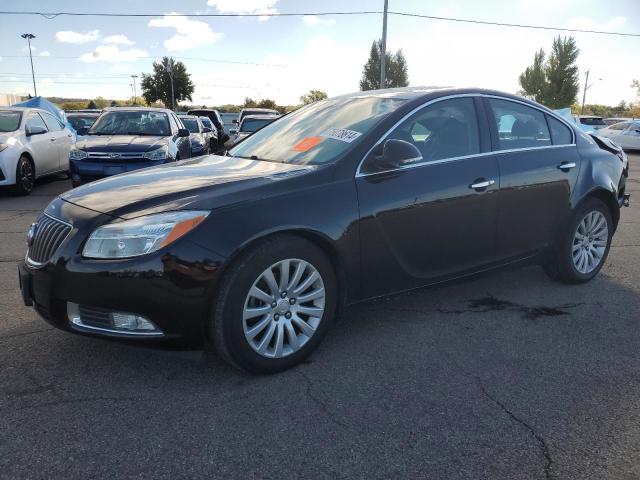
124 139
342 200
216 119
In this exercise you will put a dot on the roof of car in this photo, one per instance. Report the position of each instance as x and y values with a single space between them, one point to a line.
257 109
260 117
191 117
137 109
590 116
23 109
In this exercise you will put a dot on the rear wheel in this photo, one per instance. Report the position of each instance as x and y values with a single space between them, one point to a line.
25 177
585 245
274 305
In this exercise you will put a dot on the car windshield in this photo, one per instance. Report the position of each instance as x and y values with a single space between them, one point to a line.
206 122
319 132
190 124
132 123
592 121
81 121
254 124
9 121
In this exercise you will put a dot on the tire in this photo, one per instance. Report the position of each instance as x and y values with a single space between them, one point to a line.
25 177
229 331
564 267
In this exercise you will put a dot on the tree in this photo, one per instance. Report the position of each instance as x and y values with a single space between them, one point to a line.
636 84
250 103
267 103
157 85
395 69
101 102
92 105
313 96
553 82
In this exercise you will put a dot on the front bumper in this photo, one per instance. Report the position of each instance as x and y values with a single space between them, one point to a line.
87 170
172 287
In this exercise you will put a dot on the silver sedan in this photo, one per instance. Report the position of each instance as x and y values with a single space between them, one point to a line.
625 134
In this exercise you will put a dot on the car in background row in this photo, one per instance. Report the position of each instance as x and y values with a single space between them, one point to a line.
228 121
80 119
254 111
250 124
200 136
592 121
33 143
624 134
216 119
123 139
213 135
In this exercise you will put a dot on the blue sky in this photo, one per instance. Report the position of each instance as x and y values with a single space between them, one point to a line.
91 56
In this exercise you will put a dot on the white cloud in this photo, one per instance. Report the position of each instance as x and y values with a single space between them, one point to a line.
113 54
68 36
45 54
261 7
313 20
118 40
189 33
586 23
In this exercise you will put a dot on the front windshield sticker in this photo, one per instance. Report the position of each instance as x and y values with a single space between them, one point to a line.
341 134
306 144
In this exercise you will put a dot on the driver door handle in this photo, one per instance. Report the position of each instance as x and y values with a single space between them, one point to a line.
566 166
479 185
53 139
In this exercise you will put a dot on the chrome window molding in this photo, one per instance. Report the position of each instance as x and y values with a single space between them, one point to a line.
359 172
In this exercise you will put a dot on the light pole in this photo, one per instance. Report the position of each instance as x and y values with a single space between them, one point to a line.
586 87
383 47
132 94
29 37
134 88
170 70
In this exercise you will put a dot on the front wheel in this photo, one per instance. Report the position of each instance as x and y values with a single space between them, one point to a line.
274 305
585 245
25 177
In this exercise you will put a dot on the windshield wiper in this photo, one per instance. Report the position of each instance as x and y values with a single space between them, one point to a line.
142 134
255 157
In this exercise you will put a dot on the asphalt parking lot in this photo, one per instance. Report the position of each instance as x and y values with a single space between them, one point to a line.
506 375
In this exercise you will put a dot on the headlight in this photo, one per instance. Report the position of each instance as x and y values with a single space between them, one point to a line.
159 153
77 154
142 235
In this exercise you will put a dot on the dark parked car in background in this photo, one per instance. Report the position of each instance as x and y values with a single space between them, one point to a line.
82 119
592 121
212 136
200 135
251 124
216 119
228 119
124 139
343 200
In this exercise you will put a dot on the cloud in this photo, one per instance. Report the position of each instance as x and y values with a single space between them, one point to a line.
118 40
113 54
261 7
45 54
68 36
313 20
189 33
586 23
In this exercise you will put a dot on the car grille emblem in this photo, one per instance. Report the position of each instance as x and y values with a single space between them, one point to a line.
31 234
114 155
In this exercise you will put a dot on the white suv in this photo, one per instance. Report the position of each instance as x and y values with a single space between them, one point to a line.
33 143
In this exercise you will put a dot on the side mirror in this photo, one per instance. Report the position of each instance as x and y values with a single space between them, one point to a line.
183 132
206 130
35 130
82 131
233 131
395 154
235 121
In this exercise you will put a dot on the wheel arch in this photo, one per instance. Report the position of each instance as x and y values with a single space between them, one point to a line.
608 198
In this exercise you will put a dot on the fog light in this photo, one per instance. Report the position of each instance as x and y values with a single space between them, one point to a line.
127 321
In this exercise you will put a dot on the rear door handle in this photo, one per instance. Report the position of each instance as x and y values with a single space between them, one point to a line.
566 166
481 184
53 139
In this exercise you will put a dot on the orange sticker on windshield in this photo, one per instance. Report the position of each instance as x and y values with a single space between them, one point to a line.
306 144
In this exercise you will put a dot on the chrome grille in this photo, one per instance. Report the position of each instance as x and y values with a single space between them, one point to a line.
49 235
115 156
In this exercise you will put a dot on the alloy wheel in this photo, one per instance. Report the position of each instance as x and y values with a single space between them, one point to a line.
26 175
590 242
283 308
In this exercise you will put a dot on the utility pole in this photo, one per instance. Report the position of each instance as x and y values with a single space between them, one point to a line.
132 94
134 89
170 70
29 37
383 47
584 93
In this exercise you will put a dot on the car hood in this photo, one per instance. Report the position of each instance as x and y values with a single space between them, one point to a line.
120 143
203 183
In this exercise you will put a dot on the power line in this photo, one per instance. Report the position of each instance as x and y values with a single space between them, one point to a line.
51 15
147 59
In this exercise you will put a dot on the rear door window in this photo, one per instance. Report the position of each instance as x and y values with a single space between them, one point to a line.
35 120
519 126
560 133
53 124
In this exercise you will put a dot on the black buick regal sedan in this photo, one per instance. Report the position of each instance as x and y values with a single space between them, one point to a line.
343 200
